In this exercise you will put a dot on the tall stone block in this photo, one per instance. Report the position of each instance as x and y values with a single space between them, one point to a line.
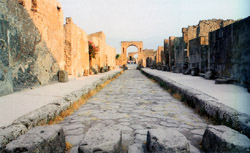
160 58
198 54
6 84
166 51
229 53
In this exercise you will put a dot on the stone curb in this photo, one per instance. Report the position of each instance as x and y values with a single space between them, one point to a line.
46 113
207 105
41 139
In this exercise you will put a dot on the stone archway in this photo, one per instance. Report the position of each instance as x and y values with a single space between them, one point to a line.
131 57
125 45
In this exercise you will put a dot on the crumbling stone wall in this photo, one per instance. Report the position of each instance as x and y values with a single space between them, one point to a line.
76 49
198 47
206 26
189 33
32 40
229 53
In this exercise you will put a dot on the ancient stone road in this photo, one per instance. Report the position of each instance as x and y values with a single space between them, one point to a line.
131 104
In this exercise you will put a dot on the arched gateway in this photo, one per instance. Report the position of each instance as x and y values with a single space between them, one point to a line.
125 45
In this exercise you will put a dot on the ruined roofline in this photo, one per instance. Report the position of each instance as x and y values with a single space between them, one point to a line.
190 26
208 20
173 37
148 50
213 19
131 41
101 35
166 40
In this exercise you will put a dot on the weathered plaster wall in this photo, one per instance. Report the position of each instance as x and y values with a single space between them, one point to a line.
33 42
76 49
106 55
111 54
229 53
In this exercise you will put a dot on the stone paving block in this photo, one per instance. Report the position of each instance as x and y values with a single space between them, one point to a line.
42 139
101 138
225 139
167 140
136 148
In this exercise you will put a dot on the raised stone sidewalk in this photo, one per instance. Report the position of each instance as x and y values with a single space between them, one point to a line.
227 104
23 110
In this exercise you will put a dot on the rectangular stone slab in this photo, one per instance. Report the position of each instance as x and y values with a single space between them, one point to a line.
43 139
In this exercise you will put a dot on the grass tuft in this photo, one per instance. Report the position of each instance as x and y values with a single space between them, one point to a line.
68 146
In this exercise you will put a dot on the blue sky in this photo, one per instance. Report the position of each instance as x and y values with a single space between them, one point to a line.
150 21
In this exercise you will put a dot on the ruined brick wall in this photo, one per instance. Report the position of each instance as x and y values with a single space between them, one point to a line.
76 49
229 53
32 37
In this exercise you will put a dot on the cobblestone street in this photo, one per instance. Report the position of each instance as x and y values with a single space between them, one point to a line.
131 104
